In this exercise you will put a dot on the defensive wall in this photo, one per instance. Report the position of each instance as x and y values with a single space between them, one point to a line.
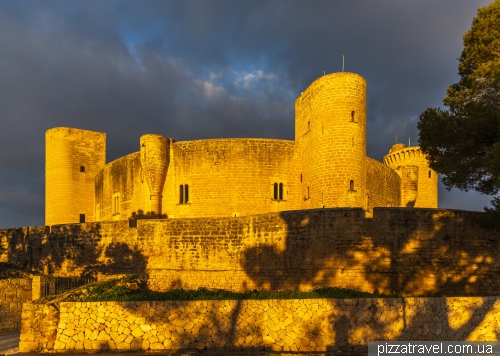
332 325
230 176
416 251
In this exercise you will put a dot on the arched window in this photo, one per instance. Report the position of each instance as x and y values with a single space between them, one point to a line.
281 192
351 185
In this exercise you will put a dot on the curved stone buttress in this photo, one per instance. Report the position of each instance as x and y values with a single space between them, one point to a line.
155 159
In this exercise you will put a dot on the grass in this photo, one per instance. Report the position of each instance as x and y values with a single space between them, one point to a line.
130 288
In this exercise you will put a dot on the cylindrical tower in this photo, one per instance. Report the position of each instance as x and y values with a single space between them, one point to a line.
419 183
155 159
73 157
330 125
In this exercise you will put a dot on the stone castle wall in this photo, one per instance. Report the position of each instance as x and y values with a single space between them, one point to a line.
254 325
383 186
233 177
226 177
122 179
417 251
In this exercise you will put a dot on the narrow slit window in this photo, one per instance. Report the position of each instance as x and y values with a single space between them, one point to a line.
181 194
300 177
275 196
309 126
353 114
281 192
186 193
429 173
351 185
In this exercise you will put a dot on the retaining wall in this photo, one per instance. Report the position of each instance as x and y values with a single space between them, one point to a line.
278 325
13 293
421 252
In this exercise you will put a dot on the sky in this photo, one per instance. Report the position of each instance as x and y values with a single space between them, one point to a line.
196 69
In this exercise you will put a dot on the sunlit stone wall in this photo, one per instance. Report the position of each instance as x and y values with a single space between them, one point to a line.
416 251
276 325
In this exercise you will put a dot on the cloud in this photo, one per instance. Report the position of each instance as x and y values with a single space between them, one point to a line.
198 69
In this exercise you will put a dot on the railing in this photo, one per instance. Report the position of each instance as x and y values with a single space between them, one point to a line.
58 285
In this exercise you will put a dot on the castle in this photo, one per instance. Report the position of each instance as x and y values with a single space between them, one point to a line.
324 167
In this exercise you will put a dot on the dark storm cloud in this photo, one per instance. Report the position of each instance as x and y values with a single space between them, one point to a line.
206 69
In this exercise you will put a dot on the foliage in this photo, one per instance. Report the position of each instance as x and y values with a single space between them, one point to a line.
463 141
491 218
120 290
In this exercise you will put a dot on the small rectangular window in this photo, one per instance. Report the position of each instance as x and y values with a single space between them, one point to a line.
82 169
183 194
82 218
275 195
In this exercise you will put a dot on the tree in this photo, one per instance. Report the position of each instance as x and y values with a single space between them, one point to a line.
463 141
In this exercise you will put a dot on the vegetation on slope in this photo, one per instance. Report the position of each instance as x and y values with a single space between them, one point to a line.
131 288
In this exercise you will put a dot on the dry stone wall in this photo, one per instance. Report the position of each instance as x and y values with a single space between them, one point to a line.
13 293
416 251
276 325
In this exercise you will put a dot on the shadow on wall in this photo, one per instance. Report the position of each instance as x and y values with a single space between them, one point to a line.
140 215
418 251
83 250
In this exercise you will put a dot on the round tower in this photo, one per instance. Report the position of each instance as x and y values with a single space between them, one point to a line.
73 157
419 183
155 159
330 125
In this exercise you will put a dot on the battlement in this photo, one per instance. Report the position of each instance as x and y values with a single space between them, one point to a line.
419 181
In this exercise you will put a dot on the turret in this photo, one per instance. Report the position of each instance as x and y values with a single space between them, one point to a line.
330 125
419 183
73 157
155 159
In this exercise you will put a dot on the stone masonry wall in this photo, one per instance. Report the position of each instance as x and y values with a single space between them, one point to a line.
416 251
383 186
278 325
330 126
72 160
13 293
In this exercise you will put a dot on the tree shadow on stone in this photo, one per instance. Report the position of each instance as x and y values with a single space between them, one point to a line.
422 252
